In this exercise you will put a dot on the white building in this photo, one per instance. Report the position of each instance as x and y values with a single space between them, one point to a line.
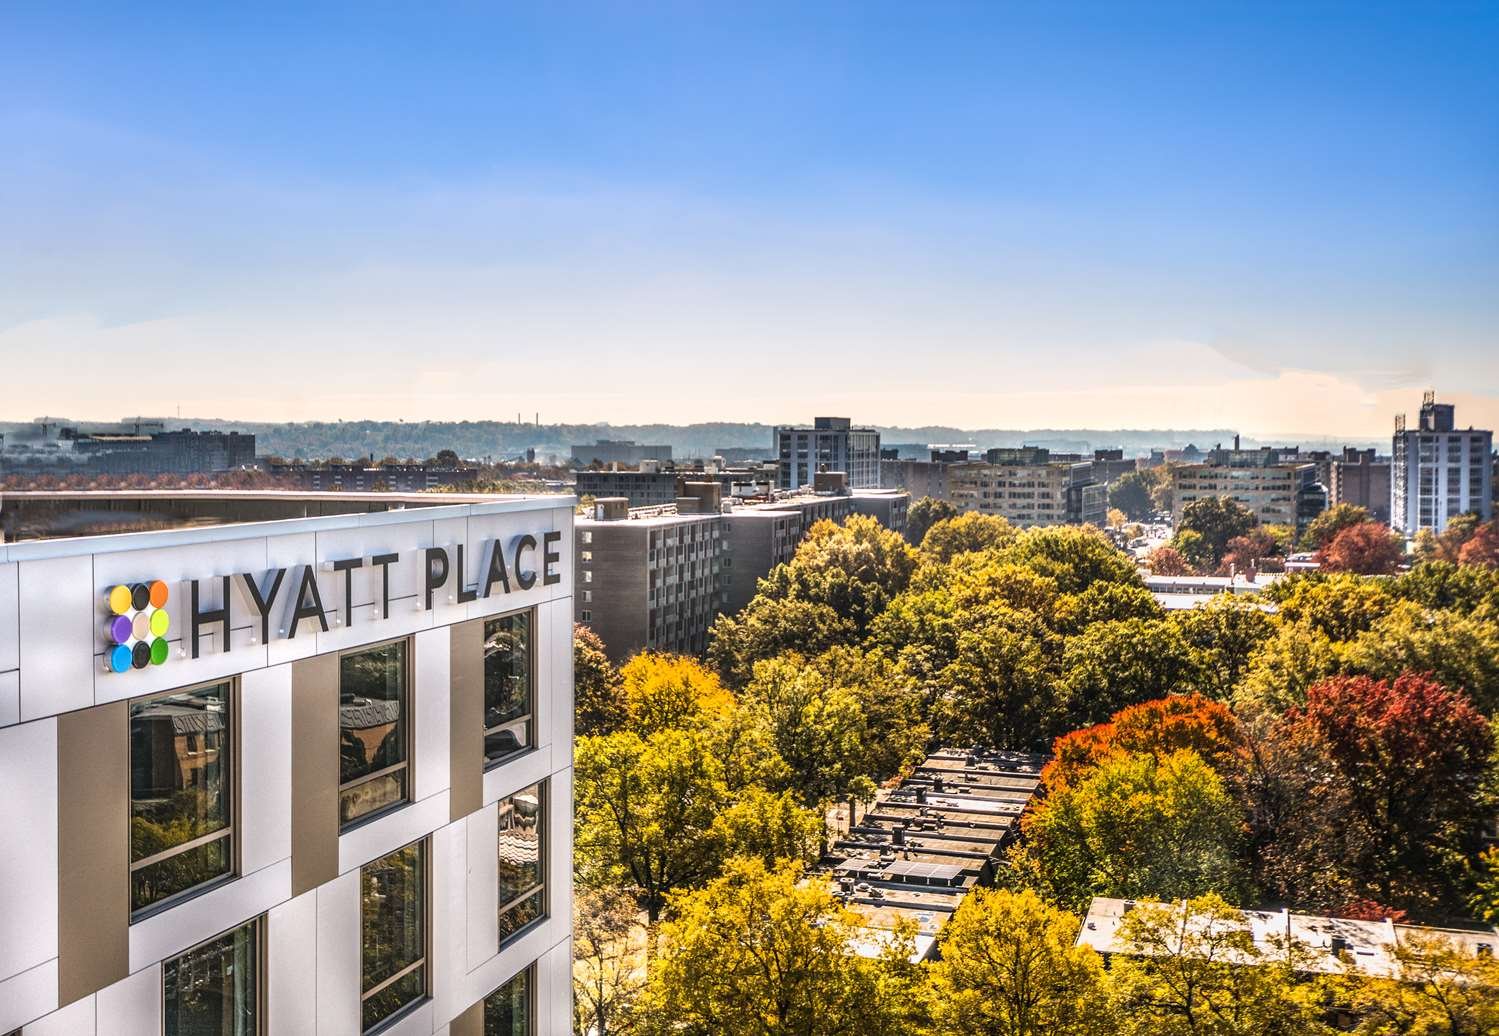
307 777
1439 471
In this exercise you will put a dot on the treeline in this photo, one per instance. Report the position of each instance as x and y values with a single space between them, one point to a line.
1334 754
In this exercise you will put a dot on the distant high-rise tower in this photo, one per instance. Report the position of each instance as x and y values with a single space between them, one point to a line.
1439 471
831 444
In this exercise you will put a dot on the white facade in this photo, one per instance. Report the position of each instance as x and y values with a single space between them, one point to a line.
54 669
1439 471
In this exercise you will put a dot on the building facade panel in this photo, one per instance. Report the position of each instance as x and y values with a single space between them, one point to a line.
272 740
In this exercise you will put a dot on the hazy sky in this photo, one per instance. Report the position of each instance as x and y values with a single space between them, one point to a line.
1280 218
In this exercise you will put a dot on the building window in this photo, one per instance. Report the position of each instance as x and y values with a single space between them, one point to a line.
508 712
372 730
508 1010
587 615
393 939
181 835
521 860
213 989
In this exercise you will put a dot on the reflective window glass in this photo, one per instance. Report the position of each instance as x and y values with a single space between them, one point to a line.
372 722
507 1011
180 793
507 686
393 943
211 990
521 859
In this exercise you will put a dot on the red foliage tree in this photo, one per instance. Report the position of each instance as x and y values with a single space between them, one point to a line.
1368 548
1168 561
1159 727
1412 755
1482 547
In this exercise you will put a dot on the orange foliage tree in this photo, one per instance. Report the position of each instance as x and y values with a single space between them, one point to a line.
1157 727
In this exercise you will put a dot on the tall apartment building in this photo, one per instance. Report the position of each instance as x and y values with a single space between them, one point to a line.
1273 483
290 777
1361 478
831 444
1439 471
649 579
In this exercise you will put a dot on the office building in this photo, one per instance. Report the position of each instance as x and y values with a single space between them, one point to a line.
1273 482
290 777
1439 471
831 444
1360 478
1025 485
650 579
617 451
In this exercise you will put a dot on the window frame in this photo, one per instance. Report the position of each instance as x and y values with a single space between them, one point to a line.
229 830
543 886
259 930
424 850
529 717
407 725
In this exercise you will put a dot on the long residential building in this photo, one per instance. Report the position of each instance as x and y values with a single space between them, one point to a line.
654 578
1439 471
1025 485
290 777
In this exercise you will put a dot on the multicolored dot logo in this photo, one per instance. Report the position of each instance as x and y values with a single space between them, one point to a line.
137 627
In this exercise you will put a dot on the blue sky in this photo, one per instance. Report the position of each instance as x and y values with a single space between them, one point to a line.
1280 217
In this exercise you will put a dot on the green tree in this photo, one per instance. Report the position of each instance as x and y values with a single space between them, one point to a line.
998 688
598 694
1218 520
1113 664
1130 493
758 953
769 626
1074 556
1321 530
1104 602
1282 668
1340 606
1139 825
1196 969
854 569
645 813
1010 966
897 734
1225 632
923 513
969 531
817 728
1443 585
1458 650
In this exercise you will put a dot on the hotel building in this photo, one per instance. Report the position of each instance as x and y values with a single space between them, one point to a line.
307 776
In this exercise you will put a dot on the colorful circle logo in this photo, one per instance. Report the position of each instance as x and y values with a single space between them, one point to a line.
137 626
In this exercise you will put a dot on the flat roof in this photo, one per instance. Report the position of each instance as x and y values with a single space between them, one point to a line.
1327 945
401 508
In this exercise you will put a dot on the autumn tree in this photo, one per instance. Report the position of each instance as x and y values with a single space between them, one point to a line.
645 812
971 530
1217 520
1340 606
770 826
598 694
1158 728
1442 585
1166 560
759 953
1010 966
1136 826
1369 549
1074 556
1457 649
854 568
1196 968
1414 756
923 513
1321 530
1482 548
662 691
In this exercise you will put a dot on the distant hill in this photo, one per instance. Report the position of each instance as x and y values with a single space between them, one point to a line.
497 439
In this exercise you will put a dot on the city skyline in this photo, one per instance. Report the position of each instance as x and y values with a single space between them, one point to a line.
1071 217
